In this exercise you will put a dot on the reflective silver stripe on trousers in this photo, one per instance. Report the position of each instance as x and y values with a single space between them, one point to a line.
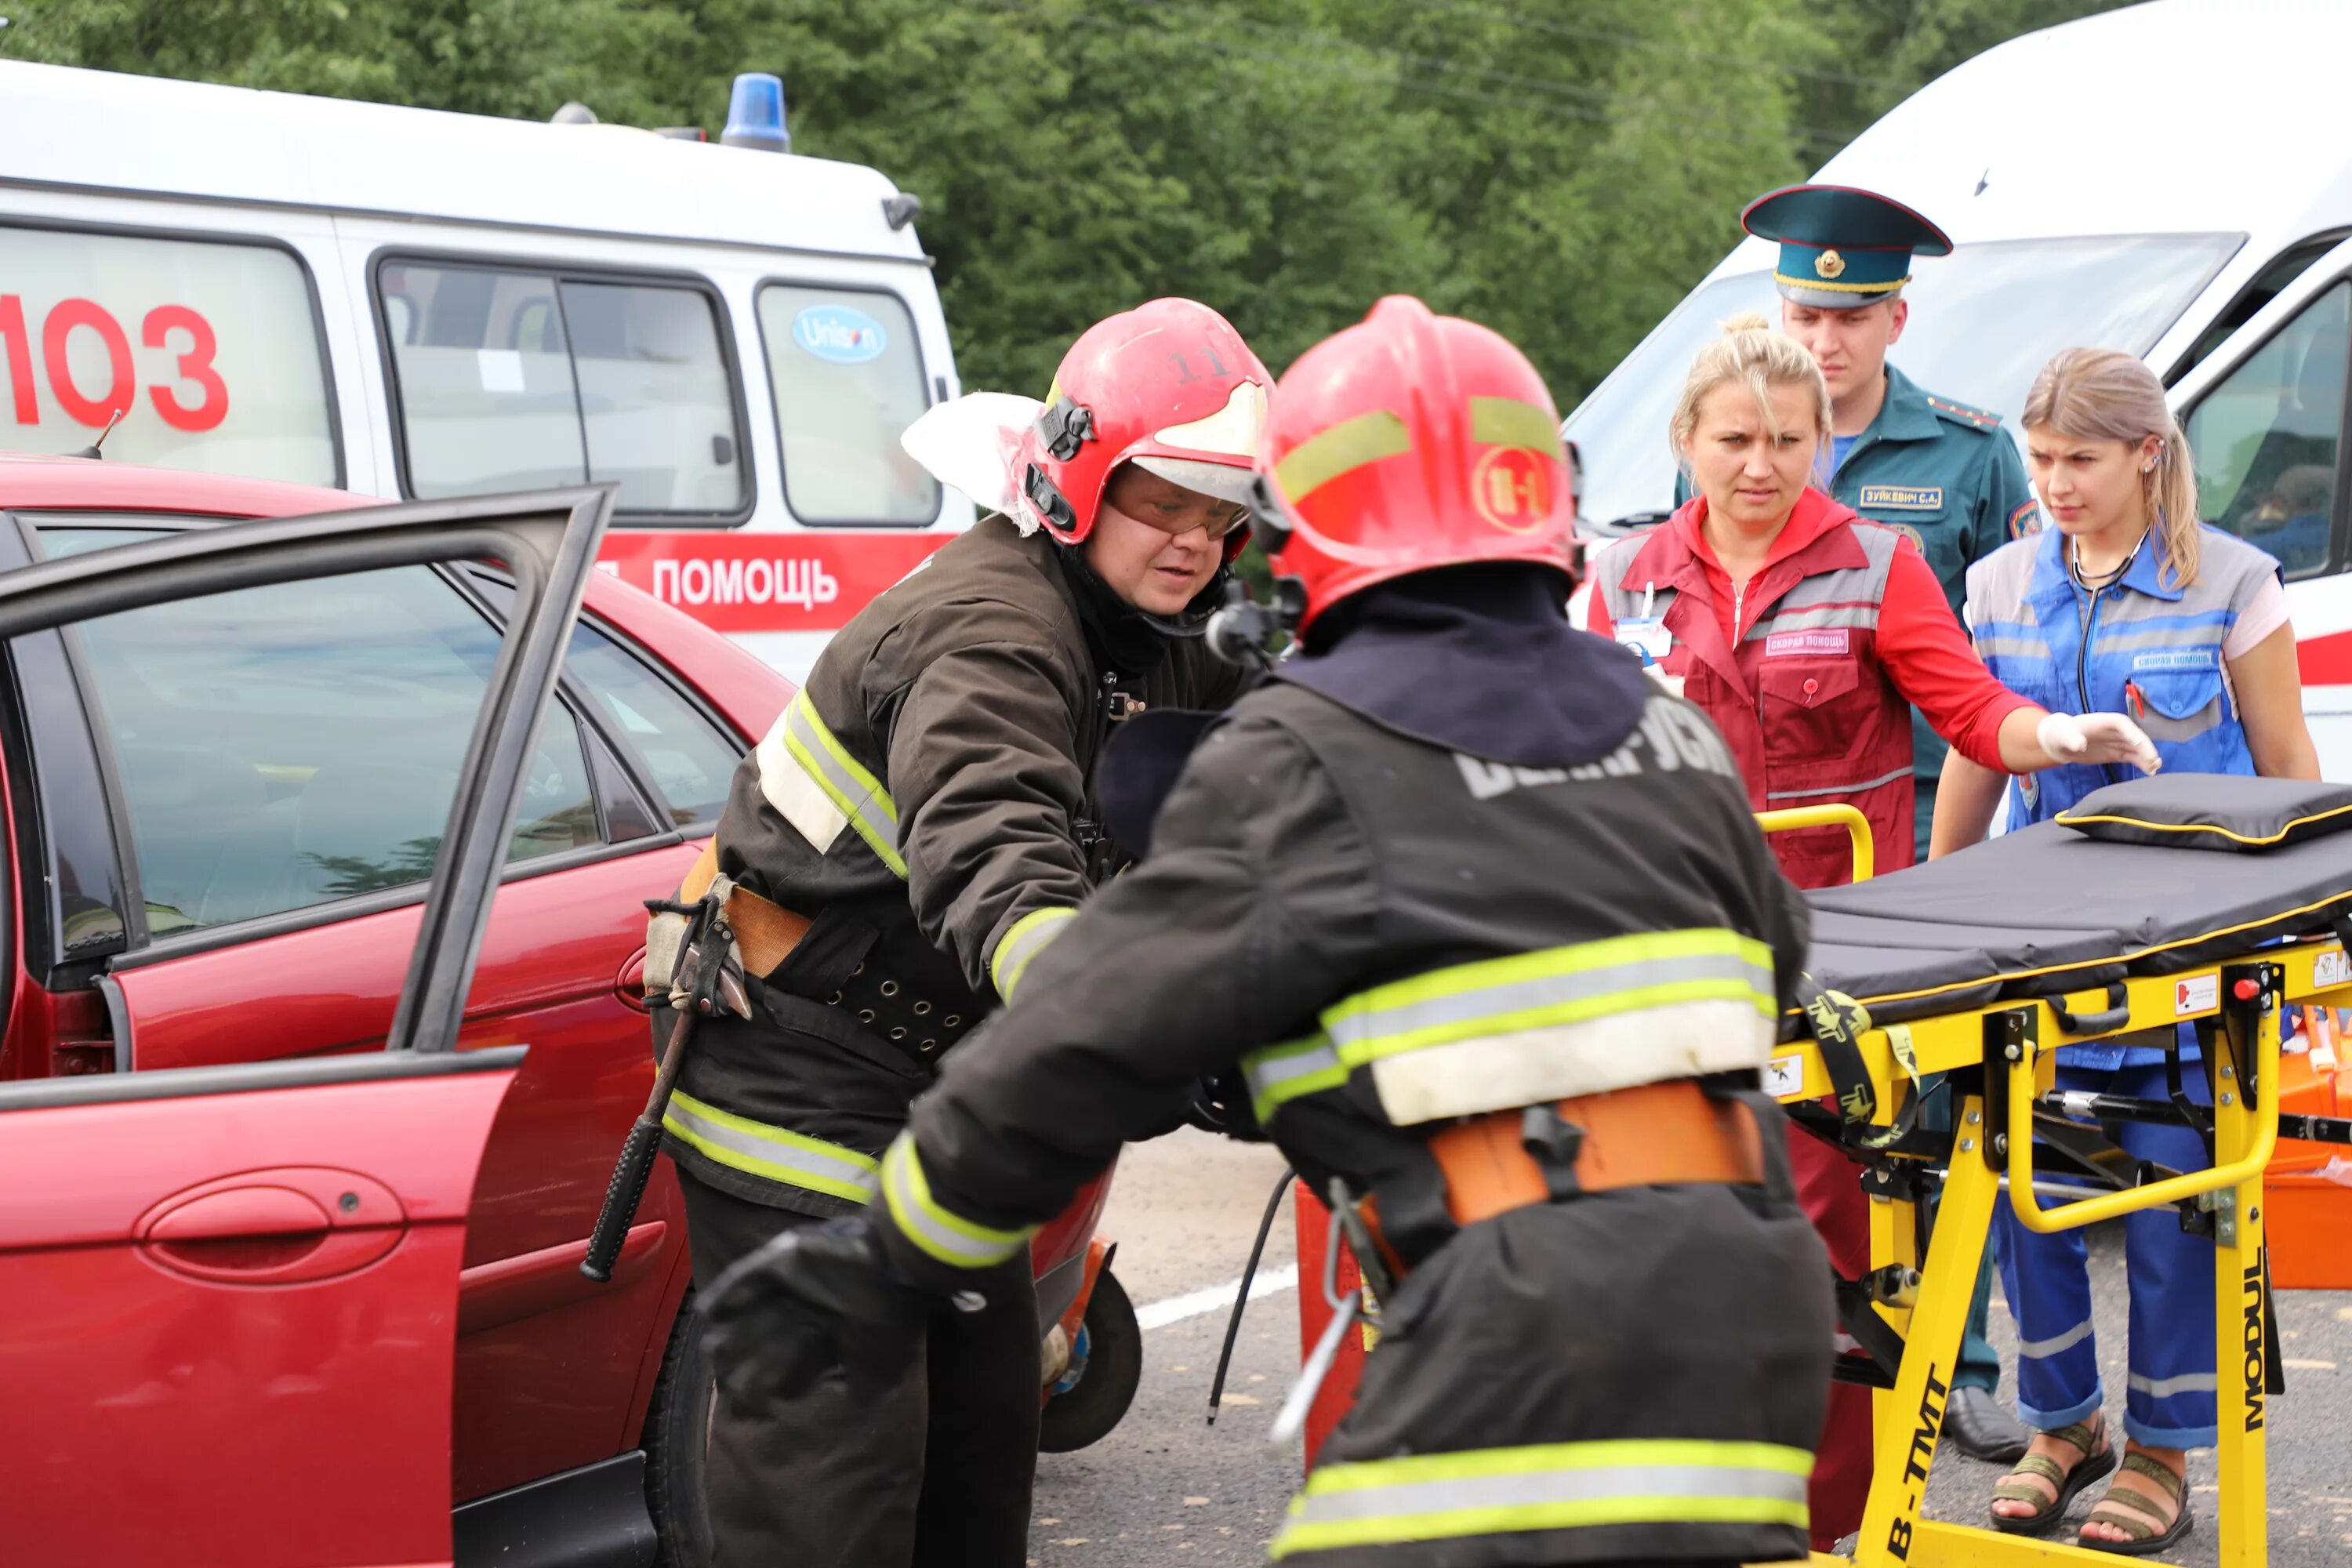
1406 1500
777 1154
2038 1349
2166 1387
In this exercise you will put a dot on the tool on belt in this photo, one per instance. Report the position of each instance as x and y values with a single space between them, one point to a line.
698 947
1653 1134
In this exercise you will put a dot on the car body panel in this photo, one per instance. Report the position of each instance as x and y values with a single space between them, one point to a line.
189 1419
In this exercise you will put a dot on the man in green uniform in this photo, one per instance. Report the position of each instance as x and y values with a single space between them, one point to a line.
1940 473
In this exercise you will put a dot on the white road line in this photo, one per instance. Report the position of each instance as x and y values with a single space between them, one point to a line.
1216 1298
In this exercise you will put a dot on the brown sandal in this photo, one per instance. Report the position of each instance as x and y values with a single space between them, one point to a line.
2099 1461
2135 1515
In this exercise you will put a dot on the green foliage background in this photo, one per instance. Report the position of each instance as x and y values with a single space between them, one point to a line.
1563 170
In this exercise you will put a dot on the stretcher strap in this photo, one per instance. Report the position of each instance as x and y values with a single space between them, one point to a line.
1837 1023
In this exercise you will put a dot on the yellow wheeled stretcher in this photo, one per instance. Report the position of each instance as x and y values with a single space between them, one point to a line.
2206 901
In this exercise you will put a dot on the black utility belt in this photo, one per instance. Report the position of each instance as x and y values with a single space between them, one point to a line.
922 1026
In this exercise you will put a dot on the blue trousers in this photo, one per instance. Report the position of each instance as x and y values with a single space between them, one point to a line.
2169 1401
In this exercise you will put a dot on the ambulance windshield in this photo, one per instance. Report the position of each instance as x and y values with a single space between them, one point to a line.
1983 320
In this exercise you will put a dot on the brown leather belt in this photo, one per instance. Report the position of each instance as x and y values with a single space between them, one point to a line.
765 933
1654 1134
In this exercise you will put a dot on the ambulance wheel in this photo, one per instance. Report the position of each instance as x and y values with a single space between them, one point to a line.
678 1442
1096 1392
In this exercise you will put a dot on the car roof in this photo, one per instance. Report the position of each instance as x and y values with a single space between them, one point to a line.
205 141
745 691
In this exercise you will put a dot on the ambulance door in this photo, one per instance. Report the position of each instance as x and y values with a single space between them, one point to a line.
2265 418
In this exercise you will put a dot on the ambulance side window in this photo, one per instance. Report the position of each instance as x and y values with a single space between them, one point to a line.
511 379
848 375
2266 437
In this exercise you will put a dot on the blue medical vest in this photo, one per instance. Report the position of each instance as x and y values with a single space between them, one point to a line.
2144 646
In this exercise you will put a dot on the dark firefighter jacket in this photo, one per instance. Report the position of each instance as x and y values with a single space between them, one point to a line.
1386 934
925 801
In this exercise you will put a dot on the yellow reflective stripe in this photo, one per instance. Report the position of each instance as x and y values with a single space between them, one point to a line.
1279 1074
1023 940
774 1152
948 1236
1554 985
1343 448
1508 422
1555 1486
855 793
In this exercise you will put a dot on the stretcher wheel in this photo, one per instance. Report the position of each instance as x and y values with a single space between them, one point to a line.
1094 1394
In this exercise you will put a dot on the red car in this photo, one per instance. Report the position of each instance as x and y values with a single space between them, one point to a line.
219 1318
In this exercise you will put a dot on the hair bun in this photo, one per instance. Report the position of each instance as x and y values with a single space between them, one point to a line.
1747 322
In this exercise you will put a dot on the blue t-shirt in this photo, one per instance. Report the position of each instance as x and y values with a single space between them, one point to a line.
1839 447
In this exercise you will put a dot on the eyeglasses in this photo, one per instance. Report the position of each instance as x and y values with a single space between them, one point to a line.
1217 527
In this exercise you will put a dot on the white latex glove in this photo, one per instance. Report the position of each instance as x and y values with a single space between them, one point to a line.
2095 738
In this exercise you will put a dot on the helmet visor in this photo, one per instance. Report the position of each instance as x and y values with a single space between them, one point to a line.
1221 481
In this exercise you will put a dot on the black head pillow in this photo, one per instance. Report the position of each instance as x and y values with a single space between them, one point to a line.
2211 811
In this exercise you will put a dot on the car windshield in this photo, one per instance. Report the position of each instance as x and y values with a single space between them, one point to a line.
1983 320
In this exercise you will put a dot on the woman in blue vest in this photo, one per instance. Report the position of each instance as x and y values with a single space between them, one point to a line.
2129 602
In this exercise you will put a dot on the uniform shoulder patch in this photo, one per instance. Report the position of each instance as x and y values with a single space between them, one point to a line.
2026 520
1961 414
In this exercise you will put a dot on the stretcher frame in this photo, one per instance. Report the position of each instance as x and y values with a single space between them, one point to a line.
2002 1056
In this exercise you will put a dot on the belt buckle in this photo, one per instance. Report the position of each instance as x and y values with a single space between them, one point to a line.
1555 1142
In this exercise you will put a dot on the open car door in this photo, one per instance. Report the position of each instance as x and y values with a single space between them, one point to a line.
228 1295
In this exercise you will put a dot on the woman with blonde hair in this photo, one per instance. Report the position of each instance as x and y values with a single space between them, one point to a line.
2129 600
1808 634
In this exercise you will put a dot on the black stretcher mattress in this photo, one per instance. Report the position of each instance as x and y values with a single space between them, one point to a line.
2048 910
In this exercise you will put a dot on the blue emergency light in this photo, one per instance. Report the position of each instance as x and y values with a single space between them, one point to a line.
755 114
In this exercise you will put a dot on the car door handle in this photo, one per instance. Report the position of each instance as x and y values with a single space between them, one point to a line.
630 985
274 1227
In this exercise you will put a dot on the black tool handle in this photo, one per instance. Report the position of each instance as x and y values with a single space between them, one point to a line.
626 1189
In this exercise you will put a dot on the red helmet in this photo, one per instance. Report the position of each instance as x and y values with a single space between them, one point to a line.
1408 442
1168 386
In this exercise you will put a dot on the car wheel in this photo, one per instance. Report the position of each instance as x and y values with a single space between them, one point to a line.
1096 1392
678 1442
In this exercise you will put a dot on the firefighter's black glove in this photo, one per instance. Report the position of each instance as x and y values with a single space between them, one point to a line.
1221 1103
816 1297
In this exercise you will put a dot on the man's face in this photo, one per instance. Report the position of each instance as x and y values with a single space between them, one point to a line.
1849 345
1156 544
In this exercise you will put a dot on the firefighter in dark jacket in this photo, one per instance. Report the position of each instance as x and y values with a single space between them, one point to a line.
910 837
1478 913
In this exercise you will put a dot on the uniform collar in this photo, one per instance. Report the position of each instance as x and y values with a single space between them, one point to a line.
2145 574
1905 415
1814 515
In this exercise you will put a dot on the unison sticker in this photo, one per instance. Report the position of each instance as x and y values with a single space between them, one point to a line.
840 333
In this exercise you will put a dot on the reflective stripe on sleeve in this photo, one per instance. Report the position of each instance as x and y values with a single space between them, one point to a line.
1556 1485
760 1149
1023 940
1279 1074
817 786
950 1238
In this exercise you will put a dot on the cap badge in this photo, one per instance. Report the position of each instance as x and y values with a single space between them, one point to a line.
1829 264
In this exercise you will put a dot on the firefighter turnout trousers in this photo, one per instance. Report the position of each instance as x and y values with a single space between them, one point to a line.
931 1471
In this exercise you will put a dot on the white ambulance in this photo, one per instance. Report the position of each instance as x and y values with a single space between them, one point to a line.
409 303
2174 179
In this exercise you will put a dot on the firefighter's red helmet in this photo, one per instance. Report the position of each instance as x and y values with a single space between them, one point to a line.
1168 386
1406 442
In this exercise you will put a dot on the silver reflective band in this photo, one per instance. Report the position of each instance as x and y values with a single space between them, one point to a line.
2040 1349
774 1152
1282 1073
817 786
946 1235
2166 1387
1554 1487
1839 789
1024 940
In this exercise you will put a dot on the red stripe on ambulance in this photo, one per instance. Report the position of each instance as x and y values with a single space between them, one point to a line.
767 581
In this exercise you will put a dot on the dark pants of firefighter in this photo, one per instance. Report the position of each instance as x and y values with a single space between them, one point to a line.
1829 1187
931 1471
1518 1360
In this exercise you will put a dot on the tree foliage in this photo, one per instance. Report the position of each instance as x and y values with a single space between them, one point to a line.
1563 170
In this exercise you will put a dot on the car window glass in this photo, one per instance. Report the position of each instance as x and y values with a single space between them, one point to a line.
287 746
510 380
848 380
2265 437
689 759
209 352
